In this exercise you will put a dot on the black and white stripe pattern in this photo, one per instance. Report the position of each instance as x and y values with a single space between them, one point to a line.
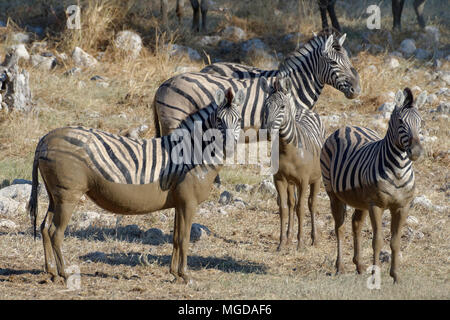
301 127
355 157
322 60
126 160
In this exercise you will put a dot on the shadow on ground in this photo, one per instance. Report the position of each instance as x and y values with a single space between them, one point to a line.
225 264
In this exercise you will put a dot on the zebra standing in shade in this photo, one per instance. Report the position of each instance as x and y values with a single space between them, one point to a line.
322 60
301 135
373 174
132 176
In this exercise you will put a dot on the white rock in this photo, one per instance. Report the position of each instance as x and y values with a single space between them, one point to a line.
267 186
199 232
433 32
431 98
7 224
209 40
407 47
86 219
9 207
392 62
234 33
130 42
331 119
387 107
179 50
83 59
20 51
411 220
18 192
20 37
43 63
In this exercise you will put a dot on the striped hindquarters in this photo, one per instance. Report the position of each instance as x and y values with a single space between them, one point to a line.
347 156
185 94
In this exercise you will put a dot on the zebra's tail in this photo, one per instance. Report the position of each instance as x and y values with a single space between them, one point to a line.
33 202
156 120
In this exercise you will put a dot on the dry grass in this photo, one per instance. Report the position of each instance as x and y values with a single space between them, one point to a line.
238 260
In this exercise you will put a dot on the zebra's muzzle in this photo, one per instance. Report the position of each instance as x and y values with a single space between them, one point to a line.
415 150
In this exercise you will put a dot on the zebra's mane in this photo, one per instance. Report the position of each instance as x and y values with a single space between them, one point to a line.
202 115
321 37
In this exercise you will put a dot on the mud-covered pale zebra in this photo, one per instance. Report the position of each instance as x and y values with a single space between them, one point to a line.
372 174
322 60
132 176
301 136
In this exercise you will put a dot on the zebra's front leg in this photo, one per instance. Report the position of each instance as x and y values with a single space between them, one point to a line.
204 9
301 189
375 214
282 188
312 205
291 205
398 218
358 219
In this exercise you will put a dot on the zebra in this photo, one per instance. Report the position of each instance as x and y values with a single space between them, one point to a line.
372 174
328 6
301 135
131 176
197 6
397 8
322 60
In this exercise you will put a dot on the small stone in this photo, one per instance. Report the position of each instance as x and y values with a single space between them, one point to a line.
129 42
83 59
422 54
411 220
225 198
20 37
72 71
267 186
408 47
199 232
385 256
7 224
209 40
42 62
392 62
242 187
234 33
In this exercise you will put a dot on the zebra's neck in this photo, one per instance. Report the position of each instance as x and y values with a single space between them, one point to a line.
394 161
303 69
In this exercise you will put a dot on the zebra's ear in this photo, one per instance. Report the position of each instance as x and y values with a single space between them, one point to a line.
328 44
420 101
342 39
408 97
285 85
219 97
399 99
239 97
265 85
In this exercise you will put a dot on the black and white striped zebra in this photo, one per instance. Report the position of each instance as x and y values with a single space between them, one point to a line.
372 174
322 60
301 135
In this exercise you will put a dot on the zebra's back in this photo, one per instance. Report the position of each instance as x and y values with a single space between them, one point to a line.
116 158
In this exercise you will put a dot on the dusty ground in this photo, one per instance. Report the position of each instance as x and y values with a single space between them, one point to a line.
238 260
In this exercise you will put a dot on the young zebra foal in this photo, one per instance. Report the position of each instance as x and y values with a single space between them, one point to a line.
301 136
132 176
372 174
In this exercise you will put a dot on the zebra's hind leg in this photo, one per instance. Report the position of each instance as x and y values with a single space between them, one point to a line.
64 204
323 14
45 229
176 247
398 220
333 17
418 8
358 219
185 222
338 209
